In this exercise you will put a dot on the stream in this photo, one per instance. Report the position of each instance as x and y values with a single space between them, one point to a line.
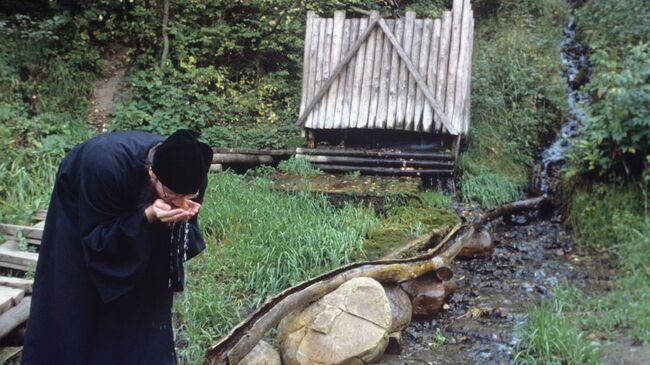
480 323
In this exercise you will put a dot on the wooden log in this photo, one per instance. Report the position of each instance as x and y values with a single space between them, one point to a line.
464 58
432 72
420 81
385 171
216 167
414 54
242 338
357 161
240 158
453 71
373 122
468 100
10 297
312 109
314 67
334 74
19 260
404 76
335 57
384 80
371 153
393 87
19 283
39 215
327 70
25 231
15 316
443 66
275 153
357 84
346 42
9 352
418 244
350 69
307 61
366 79
425 45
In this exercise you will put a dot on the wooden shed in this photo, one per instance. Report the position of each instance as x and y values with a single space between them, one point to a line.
384 83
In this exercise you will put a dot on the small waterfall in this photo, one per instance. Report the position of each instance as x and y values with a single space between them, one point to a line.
576 65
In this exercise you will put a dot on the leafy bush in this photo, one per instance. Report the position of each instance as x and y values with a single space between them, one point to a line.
616 138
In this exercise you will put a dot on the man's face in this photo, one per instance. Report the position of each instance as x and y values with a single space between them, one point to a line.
168 196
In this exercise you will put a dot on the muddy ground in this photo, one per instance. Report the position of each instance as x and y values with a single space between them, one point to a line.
480 323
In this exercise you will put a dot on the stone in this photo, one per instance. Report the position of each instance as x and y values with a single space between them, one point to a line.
428 293
401 309
262 354
347 326
479 245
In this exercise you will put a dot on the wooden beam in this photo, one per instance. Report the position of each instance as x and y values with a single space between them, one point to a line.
10 297
386 171
20 283
25 231
337 70
20 260
418 78
371 153
15 316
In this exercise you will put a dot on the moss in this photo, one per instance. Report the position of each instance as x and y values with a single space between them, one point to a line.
404 222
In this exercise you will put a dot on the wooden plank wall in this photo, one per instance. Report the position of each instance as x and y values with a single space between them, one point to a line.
372 86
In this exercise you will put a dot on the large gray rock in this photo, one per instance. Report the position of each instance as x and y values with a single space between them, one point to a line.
261 354
347 326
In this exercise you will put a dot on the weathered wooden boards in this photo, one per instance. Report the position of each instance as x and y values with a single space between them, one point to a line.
406 74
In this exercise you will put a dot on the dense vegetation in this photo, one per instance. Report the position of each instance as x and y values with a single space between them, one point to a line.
608 179
233 71
518 97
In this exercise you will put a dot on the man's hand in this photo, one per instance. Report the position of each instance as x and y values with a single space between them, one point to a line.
164 212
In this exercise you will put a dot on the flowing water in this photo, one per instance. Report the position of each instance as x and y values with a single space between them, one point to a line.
481 320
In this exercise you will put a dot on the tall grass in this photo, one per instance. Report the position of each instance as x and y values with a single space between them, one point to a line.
259 243
26 181
550 339
517 97
606 216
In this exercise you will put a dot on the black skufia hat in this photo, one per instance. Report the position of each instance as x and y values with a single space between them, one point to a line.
181 162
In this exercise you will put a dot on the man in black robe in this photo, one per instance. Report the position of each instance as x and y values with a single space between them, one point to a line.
121 222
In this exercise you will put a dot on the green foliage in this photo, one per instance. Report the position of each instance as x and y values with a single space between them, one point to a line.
616 138
298 166
518 97
549 338
604 215
46 71
487 187
259 242
617 127
611 24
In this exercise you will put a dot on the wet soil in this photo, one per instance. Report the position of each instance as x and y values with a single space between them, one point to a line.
479 325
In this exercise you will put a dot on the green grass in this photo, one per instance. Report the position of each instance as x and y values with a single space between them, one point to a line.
550 339
517 97
608 217
259 243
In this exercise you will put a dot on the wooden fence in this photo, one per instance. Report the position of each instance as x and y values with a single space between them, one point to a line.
405 74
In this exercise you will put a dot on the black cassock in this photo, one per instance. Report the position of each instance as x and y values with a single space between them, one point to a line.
103 286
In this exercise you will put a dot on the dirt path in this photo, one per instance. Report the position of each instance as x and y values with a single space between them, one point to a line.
107 88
